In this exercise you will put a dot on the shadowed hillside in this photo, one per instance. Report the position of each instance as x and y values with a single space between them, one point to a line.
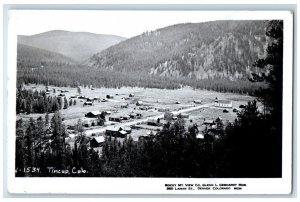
32 57
77 45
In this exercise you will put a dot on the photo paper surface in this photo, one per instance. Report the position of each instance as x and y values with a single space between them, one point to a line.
150 102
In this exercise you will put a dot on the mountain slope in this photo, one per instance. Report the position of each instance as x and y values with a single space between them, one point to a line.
218 49
76 45
36 56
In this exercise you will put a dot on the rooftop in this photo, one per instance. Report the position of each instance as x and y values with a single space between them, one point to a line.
99 139
208 121
95 113
224 101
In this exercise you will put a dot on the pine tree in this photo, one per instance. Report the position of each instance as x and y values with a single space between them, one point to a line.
78 90
47 118
272 62
60 104
65 103
20 159
59 134
30 142
40 137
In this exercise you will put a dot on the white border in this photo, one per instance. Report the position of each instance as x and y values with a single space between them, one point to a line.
156 185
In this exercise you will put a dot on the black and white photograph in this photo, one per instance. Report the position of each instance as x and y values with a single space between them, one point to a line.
146 95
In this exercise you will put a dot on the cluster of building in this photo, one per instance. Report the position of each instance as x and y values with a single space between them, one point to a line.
210 125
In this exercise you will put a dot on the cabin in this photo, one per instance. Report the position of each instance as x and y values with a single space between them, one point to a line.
116 132
139 103
164 109
124 105
81 97
177 102
147 136
153 122
197 101
107 112
115 119
213 127
143 108
127 129
93 114
109 96
132 115
199 136
89 99
125 117
209 122
131 95
218 120
183 115
135 115
242 106
97 141
139 115
88 103
223 103
104 100
61 95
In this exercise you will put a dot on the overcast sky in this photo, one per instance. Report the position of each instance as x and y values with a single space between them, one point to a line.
121 23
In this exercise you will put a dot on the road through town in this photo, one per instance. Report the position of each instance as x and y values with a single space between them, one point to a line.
134 122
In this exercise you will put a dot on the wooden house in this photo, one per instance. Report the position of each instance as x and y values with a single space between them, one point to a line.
115 119
116 132
97 141
93 114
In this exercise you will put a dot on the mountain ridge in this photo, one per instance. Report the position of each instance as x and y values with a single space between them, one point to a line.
36 56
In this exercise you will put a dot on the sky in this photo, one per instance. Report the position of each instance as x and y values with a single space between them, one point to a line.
122 23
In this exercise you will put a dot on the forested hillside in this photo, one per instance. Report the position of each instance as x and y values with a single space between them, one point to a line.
35 57
77 45
219 49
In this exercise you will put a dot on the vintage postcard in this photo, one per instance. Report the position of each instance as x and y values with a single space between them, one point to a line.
150 102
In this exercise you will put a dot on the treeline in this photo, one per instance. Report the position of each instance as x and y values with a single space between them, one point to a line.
29 101
73 75
41 149
249 147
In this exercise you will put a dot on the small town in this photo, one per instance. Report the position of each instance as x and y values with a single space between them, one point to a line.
123 115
